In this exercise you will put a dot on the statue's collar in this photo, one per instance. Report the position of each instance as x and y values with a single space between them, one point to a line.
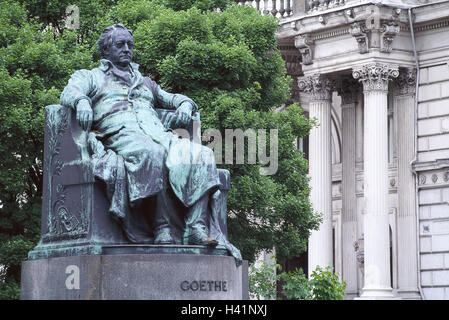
105 64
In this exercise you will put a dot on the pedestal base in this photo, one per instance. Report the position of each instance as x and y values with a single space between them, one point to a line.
135 277
377 294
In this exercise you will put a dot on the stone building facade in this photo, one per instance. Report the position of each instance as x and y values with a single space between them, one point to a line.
375 74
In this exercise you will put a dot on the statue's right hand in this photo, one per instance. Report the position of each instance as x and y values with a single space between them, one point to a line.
84 114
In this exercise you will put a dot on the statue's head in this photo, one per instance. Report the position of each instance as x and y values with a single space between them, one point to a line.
116 44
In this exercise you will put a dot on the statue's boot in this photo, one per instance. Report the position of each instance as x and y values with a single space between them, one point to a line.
196 231
161 220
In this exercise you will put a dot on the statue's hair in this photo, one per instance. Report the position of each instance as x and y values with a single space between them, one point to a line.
105 41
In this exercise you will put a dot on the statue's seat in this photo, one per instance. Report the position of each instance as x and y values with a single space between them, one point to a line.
75 218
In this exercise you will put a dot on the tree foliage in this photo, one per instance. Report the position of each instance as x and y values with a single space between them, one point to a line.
323 283
226 60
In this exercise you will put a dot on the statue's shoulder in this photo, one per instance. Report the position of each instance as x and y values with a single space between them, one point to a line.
94 75
83 74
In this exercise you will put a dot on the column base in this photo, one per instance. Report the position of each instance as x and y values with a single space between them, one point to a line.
409 294
378 294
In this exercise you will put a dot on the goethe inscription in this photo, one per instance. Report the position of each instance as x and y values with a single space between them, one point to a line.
204 285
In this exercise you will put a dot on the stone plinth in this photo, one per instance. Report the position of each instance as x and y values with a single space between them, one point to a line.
135 277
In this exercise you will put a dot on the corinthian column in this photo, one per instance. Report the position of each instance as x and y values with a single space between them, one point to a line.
349 91
375 78
406 227
320 168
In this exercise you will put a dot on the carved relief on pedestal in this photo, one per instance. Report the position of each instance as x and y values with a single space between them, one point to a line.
61 222
317 86
375 76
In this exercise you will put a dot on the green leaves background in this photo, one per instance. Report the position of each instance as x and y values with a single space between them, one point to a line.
226 60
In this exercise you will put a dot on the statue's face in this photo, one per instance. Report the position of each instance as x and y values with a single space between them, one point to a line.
121 51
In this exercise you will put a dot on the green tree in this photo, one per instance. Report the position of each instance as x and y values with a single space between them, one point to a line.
322 284
229 64
34 67
225 59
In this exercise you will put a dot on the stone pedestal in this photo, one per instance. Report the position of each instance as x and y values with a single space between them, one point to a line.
135 277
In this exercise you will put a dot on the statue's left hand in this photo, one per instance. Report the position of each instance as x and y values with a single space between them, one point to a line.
184 114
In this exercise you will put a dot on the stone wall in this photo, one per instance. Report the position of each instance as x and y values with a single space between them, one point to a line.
433 179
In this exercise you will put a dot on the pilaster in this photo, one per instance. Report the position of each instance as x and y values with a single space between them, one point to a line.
405 86
349 92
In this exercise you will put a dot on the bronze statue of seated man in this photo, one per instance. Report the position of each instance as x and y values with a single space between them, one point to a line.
161 187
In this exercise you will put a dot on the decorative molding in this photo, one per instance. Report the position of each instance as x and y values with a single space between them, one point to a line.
430 165
433 179
331 34
287 48
432 26
304 43
359 32
388 33
375 76
317 86
405 84
362 34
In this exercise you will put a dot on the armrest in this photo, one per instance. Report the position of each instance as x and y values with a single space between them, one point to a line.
193 128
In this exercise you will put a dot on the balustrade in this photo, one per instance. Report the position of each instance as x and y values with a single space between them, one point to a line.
278 8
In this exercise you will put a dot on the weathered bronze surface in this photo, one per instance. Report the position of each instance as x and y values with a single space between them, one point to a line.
115 171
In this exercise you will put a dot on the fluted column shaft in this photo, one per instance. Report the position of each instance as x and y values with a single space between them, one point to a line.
320 168
349 95
406 228
375 78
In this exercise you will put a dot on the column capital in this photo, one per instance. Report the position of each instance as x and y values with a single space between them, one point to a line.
405 84
375 76
348 90
318 86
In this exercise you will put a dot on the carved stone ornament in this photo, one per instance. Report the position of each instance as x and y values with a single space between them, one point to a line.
405 84
358 31
422 179
359 249
446 176
375 76
317 86
388 31
434 178
304 44
348 90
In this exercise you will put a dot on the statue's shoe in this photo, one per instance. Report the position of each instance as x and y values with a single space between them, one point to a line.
199 237
163 238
